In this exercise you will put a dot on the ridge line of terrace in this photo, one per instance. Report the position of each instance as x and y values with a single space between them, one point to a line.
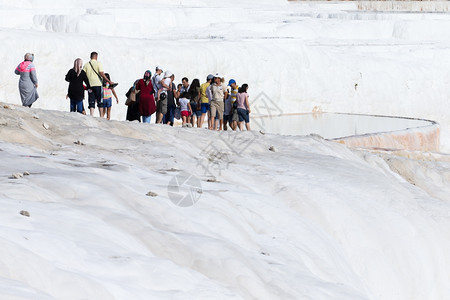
393 5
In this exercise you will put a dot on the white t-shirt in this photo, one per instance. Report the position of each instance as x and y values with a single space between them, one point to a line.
184 104
168 82
156 81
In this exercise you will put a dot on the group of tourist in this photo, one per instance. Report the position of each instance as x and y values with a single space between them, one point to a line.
98 84
221 106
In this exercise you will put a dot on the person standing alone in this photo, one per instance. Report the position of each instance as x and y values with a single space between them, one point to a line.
28 82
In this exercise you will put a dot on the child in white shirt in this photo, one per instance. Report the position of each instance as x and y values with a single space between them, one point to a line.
185 107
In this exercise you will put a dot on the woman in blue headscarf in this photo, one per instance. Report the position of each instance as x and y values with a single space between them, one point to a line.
28 82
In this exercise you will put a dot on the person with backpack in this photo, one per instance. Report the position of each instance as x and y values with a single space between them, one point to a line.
161 99
76 76
96 76
156 79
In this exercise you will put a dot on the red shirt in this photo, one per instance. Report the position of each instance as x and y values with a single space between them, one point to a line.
147 105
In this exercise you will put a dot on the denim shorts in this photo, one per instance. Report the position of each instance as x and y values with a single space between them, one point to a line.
107 102
196 112
243 115
205 107
235 115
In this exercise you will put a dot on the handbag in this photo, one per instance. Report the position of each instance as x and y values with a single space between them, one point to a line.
131 97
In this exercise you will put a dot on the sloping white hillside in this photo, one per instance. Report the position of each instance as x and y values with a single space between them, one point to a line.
309 219
93 209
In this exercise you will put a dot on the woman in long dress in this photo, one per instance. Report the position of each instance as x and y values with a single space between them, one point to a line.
133 113
28 82
147 106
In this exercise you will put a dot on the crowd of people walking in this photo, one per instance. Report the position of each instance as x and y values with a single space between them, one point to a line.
213 104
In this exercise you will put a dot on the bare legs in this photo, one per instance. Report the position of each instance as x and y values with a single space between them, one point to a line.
108 113
241 126
101 111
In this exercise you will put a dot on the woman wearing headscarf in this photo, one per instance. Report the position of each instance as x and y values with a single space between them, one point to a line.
133 113
147 106
76 76
28 82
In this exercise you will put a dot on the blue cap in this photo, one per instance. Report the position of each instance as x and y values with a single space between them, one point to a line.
231 81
